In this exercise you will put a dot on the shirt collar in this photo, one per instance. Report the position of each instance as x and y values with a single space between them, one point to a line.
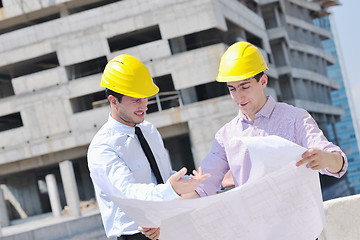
265 111
125 129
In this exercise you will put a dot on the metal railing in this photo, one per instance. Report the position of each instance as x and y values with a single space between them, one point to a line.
162 101
166 100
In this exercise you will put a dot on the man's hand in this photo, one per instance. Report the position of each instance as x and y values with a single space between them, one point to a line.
317 159
191 195
182 185
152 233
228 181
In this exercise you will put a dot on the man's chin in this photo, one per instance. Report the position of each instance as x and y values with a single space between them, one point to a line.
139 120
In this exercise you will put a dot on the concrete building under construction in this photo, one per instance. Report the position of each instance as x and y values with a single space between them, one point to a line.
52 54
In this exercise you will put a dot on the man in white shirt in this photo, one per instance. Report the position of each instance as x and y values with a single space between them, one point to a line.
130 150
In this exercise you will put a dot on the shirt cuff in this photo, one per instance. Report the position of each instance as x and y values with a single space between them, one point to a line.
341 172
201 192
168 192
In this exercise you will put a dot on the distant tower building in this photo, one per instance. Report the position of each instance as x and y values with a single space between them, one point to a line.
301 65
345 132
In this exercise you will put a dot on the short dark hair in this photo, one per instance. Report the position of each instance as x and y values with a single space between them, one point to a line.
258 76
109 92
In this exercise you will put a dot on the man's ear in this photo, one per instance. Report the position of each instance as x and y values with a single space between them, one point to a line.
264 80
112 99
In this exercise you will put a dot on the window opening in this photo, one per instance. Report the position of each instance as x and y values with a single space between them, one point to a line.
86 68
88 102
10 121
134 38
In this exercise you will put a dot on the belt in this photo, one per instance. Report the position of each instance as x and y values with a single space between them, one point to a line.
137 236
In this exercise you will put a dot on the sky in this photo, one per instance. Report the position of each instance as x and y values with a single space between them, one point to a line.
347 23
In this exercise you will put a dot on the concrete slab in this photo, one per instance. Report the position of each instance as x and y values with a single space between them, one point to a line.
47 227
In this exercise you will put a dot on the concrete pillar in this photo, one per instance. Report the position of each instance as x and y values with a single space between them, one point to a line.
4 216
177 45
70 188
53 195
286 53
63 11
277 17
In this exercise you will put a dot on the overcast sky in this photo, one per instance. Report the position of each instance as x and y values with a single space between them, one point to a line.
347 23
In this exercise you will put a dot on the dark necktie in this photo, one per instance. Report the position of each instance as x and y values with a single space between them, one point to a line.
149 155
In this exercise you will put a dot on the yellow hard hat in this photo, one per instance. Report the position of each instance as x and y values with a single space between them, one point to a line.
241 61
126 75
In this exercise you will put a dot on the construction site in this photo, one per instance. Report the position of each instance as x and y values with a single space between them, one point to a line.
53 53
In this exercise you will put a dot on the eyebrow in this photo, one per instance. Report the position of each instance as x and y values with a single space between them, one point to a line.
239 85
134 99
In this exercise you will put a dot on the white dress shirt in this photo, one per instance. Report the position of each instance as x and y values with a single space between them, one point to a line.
116 150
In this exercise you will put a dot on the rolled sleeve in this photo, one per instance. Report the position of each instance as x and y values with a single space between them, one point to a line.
167 191
120 179
310 136
216 164
342 171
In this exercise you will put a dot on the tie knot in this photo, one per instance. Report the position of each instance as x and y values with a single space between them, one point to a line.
138 131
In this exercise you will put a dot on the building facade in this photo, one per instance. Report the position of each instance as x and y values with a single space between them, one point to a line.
53 54
345 132
302 64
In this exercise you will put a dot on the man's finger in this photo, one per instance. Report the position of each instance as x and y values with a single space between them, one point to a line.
302 161
310 152
306 158
152 233
155 234
180 173
201 170
147 230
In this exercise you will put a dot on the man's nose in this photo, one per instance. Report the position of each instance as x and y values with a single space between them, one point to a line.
239 94
144 103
